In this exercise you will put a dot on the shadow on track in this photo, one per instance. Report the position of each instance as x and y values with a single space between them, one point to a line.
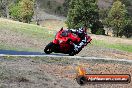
12 52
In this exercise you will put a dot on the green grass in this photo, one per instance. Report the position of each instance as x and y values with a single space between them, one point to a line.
23 29
105 44
4 46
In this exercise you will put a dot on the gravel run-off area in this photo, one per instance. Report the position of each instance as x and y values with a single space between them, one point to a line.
50 72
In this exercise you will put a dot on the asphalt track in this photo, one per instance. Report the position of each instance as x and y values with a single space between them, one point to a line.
39 54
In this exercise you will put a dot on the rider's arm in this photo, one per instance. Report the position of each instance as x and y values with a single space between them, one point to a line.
73 30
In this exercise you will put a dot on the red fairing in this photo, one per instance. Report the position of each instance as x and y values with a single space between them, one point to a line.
62 38
74 38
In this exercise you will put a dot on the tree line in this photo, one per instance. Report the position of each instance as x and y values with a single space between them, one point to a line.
87 13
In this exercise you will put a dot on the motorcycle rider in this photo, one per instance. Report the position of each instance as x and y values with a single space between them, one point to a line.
81 32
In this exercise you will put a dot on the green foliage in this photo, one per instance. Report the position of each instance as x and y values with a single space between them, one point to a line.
26 10
126 2
23 10
97 28
117 18
16 1
82 13
103 13
100 32
127 31
15 11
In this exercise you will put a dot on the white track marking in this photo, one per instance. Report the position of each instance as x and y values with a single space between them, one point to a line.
75 57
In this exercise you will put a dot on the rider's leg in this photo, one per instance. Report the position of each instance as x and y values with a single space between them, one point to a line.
82 43
77 47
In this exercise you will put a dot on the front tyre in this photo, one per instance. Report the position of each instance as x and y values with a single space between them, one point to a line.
48 48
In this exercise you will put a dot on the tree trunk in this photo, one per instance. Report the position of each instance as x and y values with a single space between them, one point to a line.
5 8
36 9
7 11
117 35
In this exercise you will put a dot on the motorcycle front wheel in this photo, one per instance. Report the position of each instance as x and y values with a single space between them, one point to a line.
48 48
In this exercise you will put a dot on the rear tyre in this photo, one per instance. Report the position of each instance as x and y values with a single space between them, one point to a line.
48 48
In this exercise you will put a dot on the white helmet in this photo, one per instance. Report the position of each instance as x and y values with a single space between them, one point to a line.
81 30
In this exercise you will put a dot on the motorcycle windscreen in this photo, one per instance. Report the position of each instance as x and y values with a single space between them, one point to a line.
64 34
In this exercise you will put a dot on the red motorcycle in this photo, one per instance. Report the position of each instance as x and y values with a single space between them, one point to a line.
64 43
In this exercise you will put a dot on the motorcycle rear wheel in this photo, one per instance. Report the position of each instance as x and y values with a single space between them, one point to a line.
48 48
